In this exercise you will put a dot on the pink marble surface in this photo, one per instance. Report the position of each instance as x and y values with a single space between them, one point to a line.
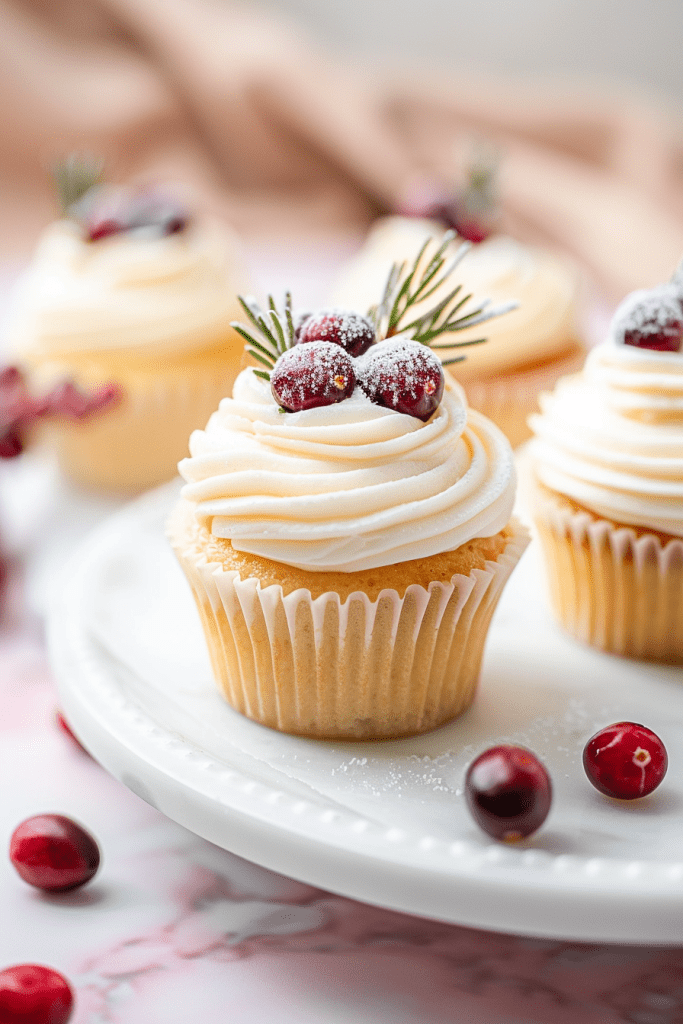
174 929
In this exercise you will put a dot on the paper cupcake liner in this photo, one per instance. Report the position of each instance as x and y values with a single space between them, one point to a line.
509 399
352 669
138 444
611 587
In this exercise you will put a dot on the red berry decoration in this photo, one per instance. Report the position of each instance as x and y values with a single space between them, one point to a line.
54 853
342 327
403 375
308 376
32 994
625 760
651 320
509 792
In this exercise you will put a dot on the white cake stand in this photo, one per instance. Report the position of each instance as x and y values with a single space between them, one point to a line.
381 822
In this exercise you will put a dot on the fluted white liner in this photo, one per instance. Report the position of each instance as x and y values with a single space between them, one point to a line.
351 669
610 587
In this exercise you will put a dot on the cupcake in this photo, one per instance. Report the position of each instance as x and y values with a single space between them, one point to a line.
608 481
527 350
127 288
346 529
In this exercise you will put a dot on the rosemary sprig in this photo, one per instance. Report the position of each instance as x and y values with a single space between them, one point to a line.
270 332
75 176
408 286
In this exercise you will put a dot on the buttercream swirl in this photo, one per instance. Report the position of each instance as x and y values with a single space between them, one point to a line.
175 293
611 437
545 287
350 486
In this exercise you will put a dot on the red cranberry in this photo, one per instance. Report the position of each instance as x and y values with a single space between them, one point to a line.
99 228
32 994
312 375
54 853
342 327
625 760
651 320
472 225
11 443
403 375
508 791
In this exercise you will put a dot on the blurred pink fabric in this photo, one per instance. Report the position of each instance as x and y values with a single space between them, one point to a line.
285 140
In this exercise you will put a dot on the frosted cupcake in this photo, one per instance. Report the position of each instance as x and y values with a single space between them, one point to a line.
346 530
127 288
527 350
608 461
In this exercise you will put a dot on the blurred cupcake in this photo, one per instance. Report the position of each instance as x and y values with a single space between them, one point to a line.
527 350
128 288
608 465
346 530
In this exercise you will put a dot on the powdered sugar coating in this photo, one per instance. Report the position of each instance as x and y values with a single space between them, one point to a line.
403 375
651 319
309 376
342 327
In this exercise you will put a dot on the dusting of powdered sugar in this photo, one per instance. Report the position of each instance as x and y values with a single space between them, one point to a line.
320 370
400 366
648 312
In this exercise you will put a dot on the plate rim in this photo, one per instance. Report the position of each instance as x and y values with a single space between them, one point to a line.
349 840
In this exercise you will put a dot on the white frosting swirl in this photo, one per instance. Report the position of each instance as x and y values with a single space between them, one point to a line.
611 437
174 293
349 486
500 269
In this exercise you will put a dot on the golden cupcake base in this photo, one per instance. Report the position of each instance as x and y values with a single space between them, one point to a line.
618 588
352 667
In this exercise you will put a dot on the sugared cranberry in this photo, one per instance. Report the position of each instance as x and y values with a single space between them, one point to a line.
651 319
54 853
509 792
402 375
107 211
308 376
342 327
33 994
625 760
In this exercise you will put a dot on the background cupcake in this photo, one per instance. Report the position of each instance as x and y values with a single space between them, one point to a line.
527 350
608 462
128 288
346 531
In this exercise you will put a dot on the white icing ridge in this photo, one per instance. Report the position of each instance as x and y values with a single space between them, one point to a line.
176 292
611 437
500 269
350 486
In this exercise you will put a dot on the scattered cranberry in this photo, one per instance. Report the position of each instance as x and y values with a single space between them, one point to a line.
312 375
299 318
508 791
67 399
625 760
403 375
342 327
33 994
651 319
54 853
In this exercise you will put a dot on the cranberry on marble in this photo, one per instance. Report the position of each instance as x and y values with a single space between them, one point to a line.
403 375
508 792
33 994
54 853
342 327
308 376
625 760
